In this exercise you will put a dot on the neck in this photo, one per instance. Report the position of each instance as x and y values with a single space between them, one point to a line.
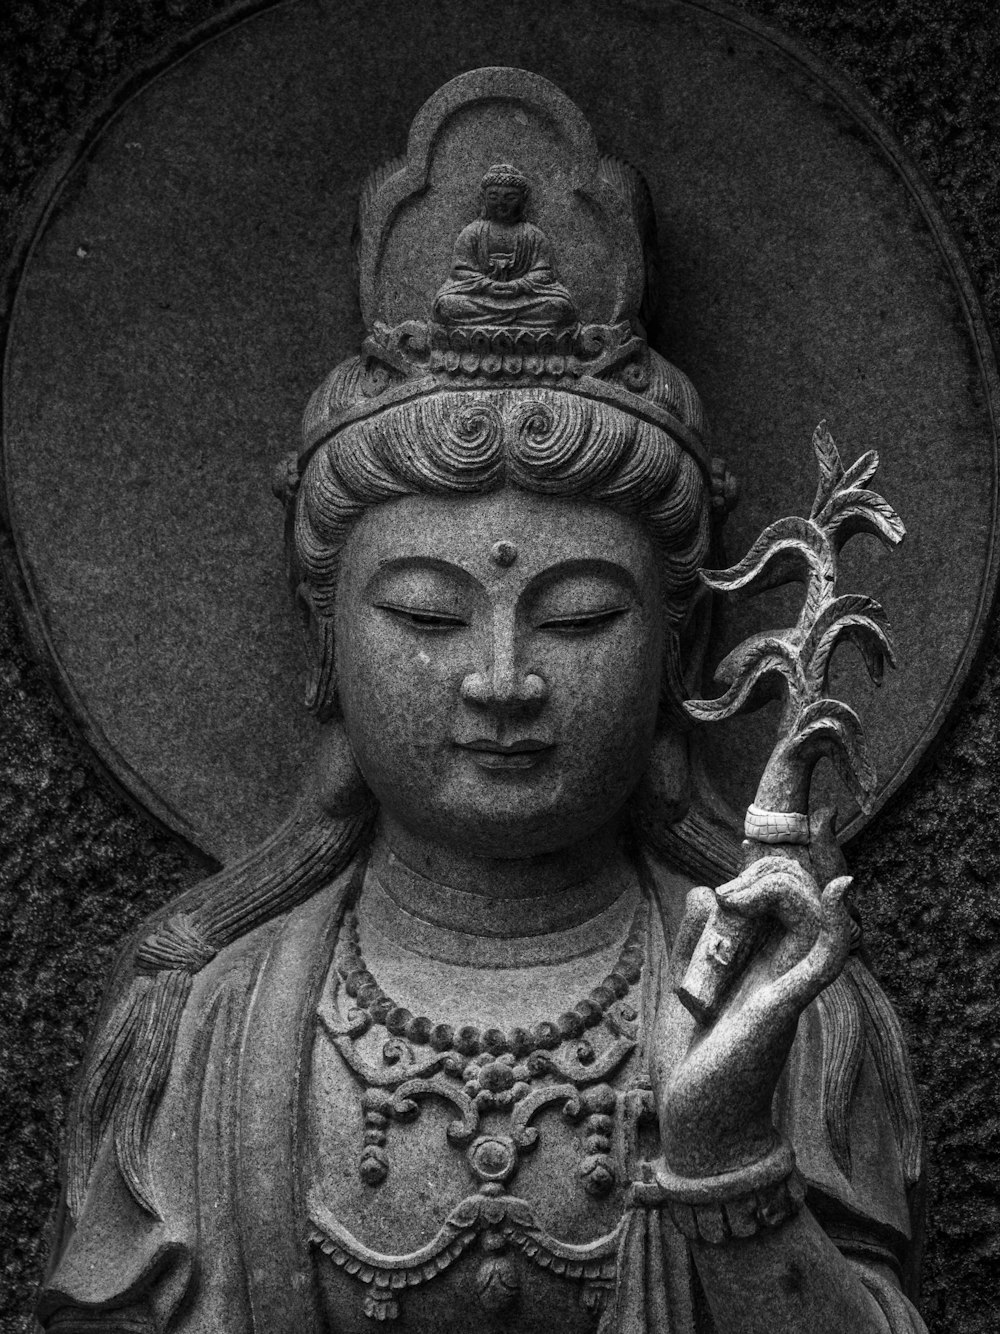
499 897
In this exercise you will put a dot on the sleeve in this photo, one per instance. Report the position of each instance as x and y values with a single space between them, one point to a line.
848 1103
465 265
111 1259
118 1267
899 1314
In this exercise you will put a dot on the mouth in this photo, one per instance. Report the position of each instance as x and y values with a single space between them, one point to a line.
489 754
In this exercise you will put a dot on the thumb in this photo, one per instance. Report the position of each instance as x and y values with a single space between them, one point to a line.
833 904
700 905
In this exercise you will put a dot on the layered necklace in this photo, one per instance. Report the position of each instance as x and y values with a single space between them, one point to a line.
470 1041
564 1063
515 1070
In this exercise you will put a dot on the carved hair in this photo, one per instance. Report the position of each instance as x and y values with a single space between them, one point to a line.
539 440
505 176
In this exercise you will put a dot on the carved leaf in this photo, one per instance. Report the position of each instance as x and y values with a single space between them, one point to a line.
764 656
745 656
871 641
791 549
858 618
831 469
859 511
861 470
838 730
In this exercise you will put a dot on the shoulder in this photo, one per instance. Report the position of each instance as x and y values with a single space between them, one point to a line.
471 232
534 236
176 935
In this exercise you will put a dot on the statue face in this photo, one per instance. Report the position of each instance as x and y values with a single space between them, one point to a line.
498 660
504 203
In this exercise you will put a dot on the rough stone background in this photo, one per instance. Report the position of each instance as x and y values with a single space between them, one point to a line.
79 866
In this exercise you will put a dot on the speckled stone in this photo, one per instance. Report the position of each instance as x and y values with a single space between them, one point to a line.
80 867
194 284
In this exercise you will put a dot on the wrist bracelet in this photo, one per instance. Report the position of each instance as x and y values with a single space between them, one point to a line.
775 826
733 1204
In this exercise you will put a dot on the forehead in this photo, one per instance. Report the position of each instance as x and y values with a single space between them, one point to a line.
462 530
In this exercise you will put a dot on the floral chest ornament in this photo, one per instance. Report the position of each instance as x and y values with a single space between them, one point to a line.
567 1063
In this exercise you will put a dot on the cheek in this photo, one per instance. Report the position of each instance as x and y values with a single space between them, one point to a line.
396 698
613 680
607 696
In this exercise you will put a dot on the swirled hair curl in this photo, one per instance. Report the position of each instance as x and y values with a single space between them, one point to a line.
541 440
538 440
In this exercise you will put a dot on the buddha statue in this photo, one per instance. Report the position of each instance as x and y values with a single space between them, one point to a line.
502 270
420 1059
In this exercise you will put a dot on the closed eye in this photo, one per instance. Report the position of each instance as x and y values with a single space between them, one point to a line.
588 622
422 618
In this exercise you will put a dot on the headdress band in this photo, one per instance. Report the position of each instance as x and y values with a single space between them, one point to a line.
455 302
320 424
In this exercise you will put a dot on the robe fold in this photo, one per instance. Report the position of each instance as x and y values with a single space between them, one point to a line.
531 296
230 1252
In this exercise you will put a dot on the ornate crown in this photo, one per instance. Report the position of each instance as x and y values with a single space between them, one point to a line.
505 250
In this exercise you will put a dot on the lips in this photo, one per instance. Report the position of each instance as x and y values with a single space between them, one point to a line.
490 754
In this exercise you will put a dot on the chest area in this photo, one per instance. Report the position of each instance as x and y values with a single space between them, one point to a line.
453 1189
506 251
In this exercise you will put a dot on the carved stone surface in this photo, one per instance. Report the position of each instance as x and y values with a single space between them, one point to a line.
116 855
181 281
498 569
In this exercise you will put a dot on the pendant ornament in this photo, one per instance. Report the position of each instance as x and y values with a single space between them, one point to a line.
499 1223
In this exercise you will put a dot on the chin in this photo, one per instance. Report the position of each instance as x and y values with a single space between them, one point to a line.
512 821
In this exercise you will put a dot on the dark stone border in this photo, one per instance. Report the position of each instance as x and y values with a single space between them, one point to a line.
79 867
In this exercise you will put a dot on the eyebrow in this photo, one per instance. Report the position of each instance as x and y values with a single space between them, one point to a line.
577 565
586 565
404 564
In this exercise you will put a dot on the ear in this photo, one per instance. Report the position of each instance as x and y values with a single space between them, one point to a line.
321 679
693 641
664 792
334 780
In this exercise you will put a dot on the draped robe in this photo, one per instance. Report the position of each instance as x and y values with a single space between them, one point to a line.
230 1252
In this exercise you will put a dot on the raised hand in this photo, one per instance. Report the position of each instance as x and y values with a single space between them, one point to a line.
715 1084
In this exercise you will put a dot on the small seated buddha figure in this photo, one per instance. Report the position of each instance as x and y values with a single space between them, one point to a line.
502 271
420 1061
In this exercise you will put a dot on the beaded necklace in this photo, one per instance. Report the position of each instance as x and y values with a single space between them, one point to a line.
467 1039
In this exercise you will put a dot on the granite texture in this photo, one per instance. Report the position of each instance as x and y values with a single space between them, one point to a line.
163 347
80 867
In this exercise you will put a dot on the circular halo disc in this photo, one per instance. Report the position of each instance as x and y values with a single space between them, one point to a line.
186 282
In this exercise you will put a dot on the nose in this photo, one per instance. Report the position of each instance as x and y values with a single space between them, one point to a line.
504 686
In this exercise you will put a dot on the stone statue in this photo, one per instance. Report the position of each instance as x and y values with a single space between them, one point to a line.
459 1045
502 268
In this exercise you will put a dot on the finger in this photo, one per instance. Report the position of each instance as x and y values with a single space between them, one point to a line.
825 852
835 906
699 907
783 891
764 866
789 994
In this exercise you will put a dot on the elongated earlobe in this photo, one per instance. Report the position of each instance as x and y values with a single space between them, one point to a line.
335 781
321 682
664 793
321 676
